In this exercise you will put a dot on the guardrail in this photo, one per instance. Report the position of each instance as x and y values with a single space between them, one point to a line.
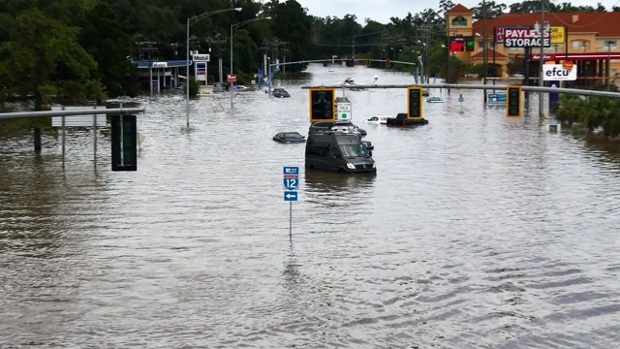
66 113
480 87
46 113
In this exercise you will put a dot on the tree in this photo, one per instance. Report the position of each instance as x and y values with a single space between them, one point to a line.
106 38
42 57
292 25
493 10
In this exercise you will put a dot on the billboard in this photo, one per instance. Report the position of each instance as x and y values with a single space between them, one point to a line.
526 36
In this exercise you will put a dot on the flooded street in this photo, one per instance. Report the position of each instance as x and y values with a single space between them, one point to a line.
478 231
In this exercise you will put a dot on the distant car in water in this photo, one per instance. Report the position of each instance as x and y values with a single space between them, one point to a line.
219 87
279 92
377 119
240 87
289 137
368 145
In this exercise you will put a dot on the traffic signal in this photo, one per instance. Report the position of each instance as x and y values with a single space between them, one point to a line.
514 104
470 44
322 104
124 143
387 62
414 102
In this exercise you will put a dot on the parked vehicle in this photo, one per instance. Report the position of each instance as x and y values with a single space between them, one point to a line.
401 120
434 99
279 92
377 119
289 137
339 125
339 152
219 87
240 88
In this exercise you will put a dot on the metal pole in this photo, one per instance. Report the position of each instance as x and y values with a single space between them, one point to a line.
541 60
231 65
63 139
290 219
608 65
95 138
485 59
187 77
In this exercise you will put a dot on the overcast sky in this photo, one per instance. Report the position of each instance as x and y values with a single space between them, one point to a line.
382 10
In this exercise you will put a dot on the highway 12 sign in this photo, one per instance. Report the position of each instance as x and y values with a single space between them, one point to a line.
291 177
291 183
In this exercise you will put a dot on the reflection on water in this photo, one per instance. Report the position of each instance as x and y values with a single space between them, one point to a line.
476 231
335 183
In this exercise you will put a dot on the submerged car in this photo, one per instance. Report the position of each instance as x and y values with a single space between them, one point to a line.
377 119
280 92
289 137
345 126
339 152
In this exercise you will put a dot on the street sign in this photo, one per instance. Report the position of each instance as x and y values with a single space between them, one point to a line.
290 170
291 183
231 78
290 195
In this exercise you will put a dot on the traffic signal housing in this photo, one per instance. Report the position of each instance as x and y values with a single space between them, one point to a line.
514 102
124 143
322 104
414 103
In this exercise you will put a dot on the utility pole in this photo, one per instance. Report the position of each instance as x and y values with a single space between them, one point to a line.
541 60
217 40
485 59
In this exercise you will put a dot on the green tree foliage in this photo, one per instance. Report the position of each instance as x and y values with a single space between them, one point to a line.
106 38
489 9
592 112
41 57
292 25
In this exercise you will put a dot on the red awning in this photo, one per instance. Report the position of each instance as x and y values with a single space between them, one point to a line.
574 56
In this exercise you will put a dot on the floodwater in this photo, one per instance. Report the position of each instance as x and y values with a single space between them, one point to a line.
478 231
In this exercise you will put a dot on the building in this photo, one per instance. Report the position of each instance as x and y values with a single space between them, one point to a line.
588 39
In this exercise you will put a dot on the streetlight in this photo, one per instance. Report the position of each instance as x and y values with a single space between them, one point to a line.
234 27
195 19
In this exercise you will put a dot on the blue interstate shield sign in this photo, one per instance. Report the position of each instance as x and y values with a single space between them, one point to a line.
291 183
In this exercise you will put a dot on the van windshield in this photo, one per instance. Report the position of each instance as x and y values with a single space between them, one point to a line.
354 150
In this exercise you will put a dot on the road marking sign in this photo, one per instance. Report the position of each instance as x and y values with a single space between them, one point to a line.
290 195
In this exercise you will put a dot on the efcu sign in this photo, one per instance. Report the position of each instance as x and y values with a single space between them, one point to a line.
558 72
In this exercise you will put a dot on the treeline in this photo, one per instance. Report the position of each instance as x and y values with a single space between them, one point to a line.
73 51
593 112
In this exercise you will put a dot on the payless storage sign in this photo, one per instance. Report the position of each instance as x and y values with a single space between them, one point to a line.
557 72
525 37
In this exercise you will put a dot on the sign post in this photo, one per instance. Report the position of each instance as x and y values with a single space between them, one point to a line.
291 183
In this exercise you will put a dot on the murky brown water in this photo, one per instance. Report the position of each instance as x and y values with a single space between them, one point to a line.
477 231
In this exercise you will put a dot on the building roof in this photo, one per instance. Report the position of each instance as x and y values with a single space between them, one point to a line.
604 24
489 53
459 9
145 64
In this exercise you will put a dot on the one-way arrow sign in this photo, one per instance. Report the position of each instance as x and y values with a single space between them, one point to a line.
290 195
